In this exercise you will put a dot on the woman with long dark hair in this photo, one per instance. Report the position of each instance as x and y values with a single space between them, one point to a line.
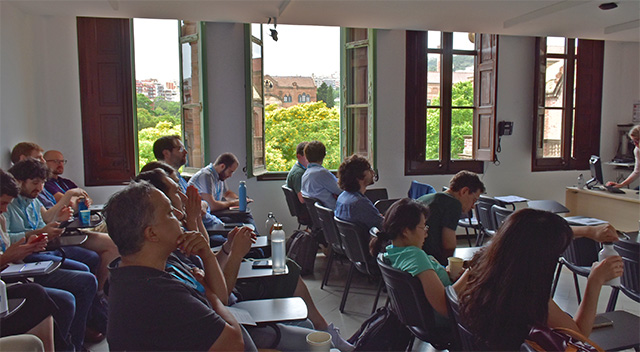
405 226
509 284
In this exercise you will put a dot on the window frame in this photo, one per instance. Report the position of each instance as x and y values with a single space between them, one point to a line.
582 117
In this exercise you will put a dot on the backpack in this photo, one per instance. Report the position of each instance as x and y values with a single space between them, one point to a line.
543 338
382 331
302 248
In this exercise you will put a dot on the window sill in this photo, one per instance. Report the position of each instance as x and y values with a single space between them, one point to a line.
273 176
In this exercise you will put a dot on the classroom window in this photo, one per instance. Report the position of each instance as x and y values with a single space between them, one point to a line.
567 103
450 101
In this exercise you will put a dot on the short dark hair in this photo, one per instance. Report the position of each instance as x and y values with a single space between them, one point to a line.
158 165
23 148
466 179
300 148
127 213
155 177
163 143
29 168
228 159
315 151
350 171
8 185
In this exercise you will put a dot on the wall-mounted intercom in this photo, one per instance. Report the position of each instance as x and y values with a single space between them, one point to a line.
505 128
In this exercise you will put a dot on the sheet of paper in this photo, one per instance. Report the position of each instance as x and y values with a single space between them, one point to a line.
242 316
28 268
584 221
511 199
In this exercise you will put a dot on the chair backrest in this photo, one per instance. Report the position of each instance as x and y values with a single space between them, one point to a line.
465 336
329 228
355 241
375 194
548 205
582 252
483 212
630 251
383 204
296 208
313 214
500 214
407 298
419 189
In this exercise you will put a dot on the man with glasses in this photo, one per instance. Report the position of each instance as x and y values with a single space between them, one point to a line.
354 175
171 150
56 186
445 207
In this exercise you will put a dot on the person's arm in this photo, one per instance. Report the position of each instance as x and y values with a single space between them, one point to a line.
632 176
240 246
216 205
231 337
58 212
449 242
434 291
600 233
300 197
19 250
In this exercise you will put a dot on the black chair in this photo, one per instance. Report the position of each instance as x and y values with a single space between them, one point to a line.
469 221
355 241
578 257
630 253
410 304
500 214
375 194
465 337
384 204
330 230
296 208
487 223
316 227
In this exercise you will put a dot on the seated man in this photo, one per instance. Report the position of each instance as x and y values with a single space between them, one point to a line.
211 183
318 182
445 207
294 177
354 175
25 150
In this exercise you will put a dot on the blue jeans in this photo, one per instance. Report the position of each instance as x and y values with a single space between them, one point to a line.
83 286
63 317
77 258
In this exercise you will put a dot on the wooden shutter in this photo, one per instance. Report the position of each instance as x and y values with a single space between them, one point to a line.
106 99
484 117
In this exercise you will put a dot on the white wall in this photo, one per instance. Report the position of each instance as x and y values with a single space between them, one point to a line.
39 101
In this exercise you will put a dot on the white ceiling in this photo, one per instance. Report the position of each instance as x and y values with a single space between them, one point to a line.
569 18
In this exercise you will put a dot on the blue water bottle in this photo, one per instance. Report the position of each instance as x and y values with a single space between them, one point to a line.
242 196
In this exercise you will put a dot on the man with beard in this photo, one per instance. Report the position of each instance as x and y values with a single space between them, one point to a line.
354 175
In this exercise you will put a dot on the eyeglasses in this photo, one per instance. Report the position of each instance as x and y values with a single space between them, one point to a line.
180 148
57 161
426 227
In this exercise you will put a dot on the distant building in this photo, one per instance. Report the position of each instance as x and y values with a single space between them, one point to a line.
153 89
287 91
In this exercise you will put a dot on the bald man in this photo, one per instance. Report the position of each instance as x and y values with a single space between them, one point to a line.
56 186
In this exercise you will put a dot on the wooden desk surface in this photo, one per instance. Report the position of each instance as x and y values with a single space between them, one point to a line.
620 210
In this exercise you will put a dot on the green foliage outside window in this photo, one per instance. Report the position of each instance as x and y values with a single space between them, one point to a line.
461 121
326 94
286 127
155 119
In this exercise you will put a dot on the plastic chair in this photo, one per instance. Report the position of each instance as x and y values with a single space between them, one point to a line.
466 338
500 214
330 230
376 194
355 241
419 189
296 208
410 304
469 221
578 257
487 223
316 226
384 204
630 286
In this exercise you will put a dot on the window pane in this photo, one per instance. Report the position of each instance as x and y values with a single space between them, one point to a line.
463 76
555 45
552 133
257 133
256 69
355 34
193 137
433 134
434 39
361 128
461 133
464 41
554 83
433 79
256 30
358 74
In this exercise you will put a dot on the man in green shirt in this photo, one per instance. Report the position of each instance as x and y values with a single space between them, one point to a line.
294 178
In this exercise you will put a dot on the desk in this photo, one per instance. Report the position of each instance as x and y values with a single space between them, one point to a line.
621 335
275 309
19 276
620 210
261 241
246 271
67 240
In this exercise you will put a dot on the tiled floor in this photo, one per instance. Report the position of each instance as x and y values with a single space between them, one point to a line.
362 294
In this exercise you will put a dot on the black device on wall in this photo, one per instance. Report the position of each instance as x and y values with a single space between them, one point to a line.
505 128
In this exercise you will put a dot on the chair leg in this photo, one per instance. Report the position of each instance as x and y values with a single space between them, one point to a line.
555 281
466 229
613 299
480 238
346 287
375 302
575 282
325 279
410 345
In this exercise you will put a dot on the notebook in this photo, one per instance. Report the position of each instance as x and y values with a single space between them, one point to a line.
27 268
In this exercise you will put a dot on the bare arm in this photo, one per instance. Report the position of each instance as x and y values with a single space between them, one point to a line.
300 197
240 246
449 241
64 201
600 233
218 205
434 291
231 337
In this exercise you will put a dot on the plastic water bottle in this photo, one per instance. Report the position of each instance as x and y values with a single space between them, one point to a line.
4 306
268 225
581 181
278 249
606 252
242 196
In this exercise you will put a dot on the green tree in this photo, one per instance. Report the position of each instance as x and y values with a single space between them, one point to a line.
286 127
147 136
144 102
325 93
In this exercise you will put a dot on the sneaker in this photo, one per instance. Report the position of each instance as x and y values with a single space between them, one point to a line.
338 341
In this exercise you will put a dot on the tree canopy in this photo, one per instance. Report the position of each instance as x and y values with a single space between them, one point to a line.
327 94
155 119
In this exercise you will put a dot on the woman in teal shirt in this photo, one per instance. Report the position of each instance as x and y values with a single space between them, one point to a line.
405 226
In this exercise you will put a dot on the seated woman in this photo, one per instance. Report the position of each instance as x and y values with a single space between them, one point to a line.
509 285
405 225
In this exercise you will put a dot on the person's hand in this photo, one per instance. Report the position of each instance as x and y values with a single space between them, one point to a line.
249 200
614 184
606 270
53 230
454 278
192 242
65 214
198 274
604 233
204 207
23 247
193 203
242 241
